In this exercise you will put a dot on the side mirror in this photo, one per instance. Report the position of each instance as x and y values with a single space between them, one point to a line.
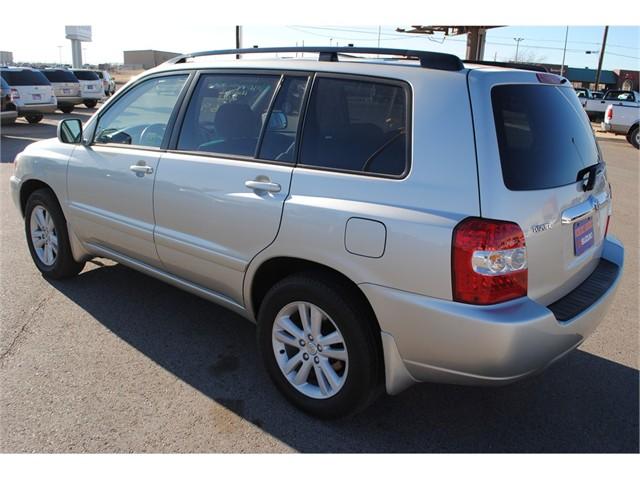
277 120
70 131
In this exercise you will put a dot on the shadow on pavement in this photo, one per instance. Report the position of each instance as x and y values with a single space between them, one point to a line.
584 403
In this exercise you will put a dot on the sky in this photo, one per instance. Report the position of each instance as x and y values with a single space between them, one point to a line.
189 25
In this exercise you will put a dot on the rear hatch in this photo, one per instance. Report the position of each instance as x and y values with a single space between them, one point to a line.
64 83
536 151
29 87
90 82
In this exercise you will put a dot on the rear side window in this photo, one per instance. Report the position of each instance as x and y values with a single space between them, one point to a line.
85 75
544 136
60 76
226 113
18 78
620 95
356 126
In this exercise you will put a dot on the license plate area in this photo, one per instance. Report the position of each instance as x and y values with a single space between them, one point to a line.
89 87
37 96
583 238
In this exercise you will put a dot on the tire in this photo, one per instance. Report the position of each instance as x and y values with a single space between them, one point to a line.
63 264
34 118
633 137
360 375
67 109
90 103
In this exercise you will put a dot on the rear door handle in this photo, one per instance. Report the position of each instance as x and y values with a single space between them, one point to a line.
141 169
263 186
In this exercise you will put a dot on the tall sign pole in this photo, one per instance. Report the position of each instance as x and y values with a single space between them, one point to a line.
604 44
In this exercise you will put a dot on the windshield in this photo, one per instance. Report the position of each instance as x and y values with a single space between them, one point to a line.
60 76
17 78
543 134
85 75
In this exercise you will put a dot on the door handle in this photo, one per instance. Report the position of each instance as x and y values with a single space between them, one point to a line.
141 169
264 186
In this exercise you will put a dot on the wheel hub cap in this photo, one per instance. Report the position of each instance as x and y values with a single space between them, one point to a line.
44 238
310 350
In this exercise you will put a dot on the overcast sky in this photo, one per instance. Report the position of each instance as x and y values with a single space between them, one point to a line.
176 27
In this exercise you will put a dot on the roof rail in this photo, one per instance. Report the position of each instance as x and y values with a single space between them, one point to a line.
435 60
517 66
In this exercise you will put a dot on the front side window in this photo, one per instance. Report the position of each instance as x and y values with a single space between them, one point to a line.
356 126
226 114
141 115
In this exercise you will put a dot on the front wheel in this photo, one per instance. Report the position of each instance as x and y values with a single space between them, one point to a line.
320 345
34 118
47 236
90 103
634 137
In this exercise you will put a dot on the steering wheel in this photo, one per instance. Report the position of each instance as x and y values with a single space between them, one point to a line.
155 129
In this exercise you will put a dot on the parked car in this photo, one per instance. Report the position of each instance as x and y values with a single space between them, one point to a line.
374 244
595 108
597 94
108 83
583 94
31 91
8 110
623 120
91 87
66 87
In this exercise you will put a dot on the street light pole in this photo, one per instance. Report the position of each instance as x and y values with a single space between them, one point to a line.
604 43
60 53
517 40
564 52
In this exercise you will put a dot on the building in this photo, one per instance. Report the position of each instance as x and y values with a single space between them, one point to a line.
628 80
6 58
146 59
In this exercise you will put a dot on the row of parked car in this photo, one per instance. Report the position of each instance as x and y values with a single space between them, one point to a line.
30 93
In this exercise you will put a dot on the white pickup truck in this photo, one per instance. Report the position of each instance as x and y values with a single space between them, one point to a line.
595 107
623 120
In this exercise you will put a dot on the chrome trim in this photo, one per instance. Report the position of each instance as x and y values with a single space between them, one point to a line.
586 208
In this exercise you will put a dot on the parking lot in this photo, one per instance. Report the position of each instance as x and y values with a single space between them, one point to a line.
114 361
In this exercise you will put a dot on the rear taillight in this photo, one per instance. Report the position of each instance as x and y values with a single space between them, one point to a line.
15 93
609 113
489 261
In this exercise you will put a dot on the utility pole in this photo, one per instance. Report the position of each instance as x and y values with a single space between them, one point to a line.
564 52
604 43
238 39
60 54
379 26
517 40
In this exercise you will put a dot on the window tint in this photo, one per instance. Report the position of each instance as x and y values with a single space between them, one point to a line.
279 140
358 126
85 75
60 76
18 78
620 95
226 113
140 116
543 135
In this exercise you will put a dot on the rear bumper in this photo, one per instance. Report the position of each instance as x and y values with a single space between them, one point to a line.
7 115
426 339
69 101
613 128
97 95
37 108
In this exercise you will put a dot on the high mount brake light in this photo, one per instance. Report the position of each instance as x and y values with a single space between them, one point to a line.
489 261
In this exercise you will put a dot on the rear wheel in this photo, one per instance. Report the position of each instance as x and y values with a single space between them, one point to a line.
90 103
634 137
34 117
66 109
320 345
47 236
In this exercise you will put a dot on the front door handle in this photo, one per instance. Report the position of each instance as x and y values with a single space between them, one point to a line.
264 186
141 169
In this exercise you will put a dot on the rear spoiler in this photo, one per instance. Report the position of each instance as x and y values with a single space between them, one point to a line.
518 66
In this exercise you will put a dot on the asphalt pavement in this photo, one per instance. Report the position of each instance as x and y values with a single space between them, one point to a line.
114 361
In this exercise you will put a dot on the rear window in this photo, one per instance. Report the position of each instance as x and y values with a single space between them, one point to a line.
84 75
100 75
17 78
543 135
60 76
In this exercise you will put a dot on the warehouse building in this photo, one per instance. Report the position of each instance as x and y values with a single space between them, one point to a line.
146 59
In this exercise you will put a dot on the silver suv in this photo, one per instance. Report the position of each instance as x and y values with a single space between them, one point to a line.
384 221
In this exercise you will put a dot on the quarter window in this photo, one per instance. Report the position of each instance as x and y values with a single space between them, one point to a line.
141 115
226 113
356 126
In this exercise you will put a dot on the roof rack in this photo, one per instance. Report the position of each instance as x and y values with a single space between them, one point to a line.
517 66
434 60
